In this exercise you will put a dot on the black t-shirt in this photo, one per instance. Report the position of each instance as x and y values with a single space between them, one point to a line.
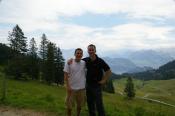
95 70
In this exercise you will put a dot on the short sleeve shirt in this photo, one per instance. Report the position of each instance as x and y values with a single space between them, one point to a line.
95 70
77 74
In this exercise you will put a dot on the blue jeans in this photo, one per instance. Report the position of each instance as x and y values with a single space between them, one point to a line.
94 100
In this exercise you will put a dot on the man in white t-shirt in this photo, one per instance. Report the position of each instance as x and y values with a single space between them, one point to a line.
75 79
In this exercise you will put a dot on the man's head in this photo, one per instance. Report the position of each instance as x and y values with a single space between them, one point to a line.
91 50
78 54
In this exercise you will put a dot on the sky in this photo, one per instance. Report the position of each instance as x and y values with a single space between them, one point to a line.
111 25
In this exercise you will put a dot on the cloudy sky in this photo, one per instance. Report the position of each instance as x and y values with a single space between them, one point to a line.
109 24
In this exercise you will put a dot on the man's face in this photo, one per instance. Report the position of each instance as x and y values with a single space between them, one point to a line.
78 54
91 51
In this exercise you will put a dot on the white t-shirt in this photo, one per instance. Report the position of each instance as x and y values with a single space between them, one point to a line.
77 74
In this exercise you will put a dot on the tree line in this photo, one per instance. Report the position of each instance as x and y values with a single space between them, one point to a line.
25 61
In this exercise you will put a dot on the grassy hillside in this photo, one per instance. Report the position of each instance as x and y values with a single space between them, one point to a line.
163 90
40 97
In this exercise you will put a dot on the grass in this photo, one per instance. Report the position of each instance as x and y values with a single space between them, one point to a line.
163 90
35 95
43 98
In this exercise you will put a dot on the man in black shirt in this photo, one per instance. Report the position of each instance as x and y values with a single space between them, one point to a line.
98 72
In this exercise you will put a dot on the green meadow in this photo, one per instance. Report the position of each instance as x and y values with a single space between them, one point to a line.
40 97
162 90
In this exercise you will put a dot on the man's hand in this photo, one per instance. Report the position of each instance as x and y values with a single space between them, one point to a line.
69 62
105 77
69 92
69 89
102 82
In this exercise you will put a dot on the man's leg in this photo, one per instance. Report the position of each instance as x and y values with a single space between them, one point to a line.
69 103
80 99
99 102
69 112
78 110
90 101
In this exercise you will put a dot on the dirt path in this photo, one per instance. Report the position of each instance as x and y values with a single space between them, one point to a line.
7 111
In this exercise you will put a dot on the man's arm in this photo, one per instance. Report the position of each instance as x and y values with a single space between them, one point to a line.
107 71
66 76
69 61
107 74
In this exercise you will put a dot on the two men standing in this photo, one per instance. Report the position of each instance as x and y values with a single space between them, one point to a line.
97 74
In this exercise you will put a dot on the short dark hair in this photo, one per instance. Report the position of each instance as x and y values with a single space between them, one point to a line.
92 45
77 50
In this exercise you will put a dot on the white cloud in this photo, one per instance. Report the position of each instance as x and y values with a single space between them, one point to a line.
134 36
27 11
43 15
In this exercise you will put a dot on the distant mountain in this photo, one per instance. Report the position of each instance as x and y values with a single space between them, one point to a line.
140 69
118 65
122 65
130 61
169 51
164 72
149 58
168 66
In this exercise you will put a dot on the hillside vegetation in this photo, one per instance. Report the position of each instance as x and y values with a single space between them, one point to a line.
41 97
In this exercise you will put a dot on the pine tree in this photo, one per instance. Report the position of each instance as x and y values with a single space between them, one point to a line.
33 60
18 42
43 47
49 72
59 64
129 88
33 48
43 55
